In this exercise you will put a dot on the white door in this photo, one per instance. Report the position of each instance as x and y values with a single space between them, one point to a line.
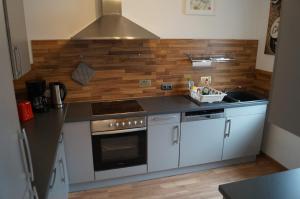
201 142
163 147
13 179
244 136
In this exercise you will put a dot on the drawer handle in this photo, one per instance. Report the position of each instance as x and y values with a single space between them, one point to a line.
228 128
62 166
176 135
28 152
53 179
61 138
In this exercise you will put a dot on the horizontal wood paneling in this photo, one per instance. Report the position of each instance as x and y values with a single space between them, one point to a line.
121 64
262 83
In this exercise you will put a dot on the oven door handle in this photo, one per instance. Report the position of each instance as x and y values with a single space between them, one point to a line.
119 131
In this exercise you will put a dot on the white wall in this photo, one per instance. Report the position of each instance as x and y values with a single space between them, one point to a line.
58 19
282 146
235 19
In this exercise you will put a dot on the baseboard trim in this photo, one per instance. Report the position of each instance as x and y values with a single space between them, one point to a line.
155 175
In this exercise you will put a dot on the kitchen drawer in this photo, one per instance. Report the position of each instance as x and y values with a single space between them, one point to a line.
163 119
249 110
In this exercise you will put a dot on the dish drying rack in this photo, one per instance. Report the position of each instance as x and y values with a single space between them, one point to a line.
213 96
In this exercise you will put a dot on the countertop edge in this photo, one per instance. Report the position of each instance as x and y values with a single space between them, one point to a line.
57 144
33 128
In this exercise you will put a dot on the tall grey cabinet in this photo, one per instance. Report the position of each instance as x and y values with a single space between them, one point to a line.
15 176
285 98
17 37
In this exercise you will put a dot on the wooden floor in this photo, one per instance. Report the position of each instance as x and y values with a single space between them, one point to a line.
201 185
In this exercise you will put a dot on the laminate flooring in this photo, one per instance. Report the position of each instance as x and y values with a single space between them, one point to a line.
200 185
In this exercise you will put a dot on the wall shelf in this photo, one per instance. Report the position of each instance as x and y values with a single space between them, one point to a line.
207 60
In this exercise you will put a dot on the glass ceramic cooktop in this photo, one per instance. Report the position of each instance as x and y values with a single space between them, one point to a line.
116 107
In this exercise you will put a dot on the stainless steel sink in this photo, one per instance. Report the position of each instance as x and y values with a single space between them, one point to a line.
228 99
240 96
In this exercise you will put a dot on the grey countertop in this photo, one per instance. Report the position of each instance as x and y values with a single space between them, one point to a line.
79 112
43 134
177 104
155 105
165 105
284 185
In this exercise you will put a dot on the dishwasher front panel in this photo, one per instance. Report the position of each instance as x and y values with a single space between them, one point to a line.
201 142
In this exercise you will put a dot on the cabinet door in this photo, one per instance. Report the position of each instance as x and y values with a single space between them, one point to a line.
17 34
59 185
62 171
78 149
163 147
201 142
55 184
243 136
13 172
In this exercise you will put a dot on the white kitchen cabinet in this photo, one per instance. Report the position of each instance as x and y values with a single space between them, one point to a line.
244 131
201 142
79 155
59 185
17 36
163 142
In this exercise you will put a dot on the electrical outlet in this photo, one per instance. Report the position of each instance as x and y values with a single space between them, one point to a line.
166 86
145 83
205 80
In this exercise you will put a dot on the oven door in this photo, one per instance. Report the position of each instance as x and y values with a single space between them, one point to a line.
119 149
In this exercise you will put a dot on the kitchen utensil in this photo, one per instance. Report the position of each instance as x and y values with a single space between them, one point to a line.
58 93
25 111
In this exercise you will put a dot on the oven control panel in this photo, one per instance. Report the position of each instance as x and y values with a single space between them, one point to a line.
118 124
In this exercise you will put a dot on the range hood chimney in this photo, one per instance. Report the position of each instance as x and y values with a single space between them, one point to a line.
112 25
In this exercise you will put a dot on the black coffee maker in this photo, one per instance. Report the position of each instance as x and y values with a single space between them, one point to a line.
36 95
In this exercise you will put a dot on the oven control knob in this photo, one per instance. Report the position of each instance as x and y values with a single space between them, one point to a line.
129 123
135 122
123 123
111 125
141 122
117 124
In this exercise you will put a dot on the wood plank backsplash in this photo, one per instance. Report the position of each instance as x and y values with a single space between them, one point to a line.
262 83
120 64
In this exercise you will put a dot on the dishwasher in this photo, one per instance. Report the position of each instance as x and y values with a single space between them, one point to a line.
202 137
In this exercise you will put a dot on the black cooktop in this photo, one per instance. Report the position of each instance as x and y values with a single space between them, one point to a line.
116 107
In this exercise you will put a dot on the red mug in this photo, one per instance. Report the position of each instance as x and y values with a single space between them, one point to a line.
25 111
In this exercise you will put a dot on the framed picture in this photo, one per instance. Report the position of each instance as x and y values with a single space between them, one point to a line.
273 27
200 7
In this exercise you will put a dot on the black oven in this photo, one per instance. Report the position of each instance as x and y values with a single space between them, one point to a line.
119 148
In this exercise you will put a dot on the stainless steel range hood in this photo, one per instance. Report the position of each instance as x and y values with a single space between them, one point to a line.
112 25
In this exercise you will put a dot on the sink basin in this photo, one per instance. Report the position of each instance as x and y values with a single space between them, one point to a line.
240 96
228 99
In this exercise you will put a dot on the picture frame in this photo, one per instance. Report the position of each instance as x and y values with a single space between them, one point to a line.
200 7
273 27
